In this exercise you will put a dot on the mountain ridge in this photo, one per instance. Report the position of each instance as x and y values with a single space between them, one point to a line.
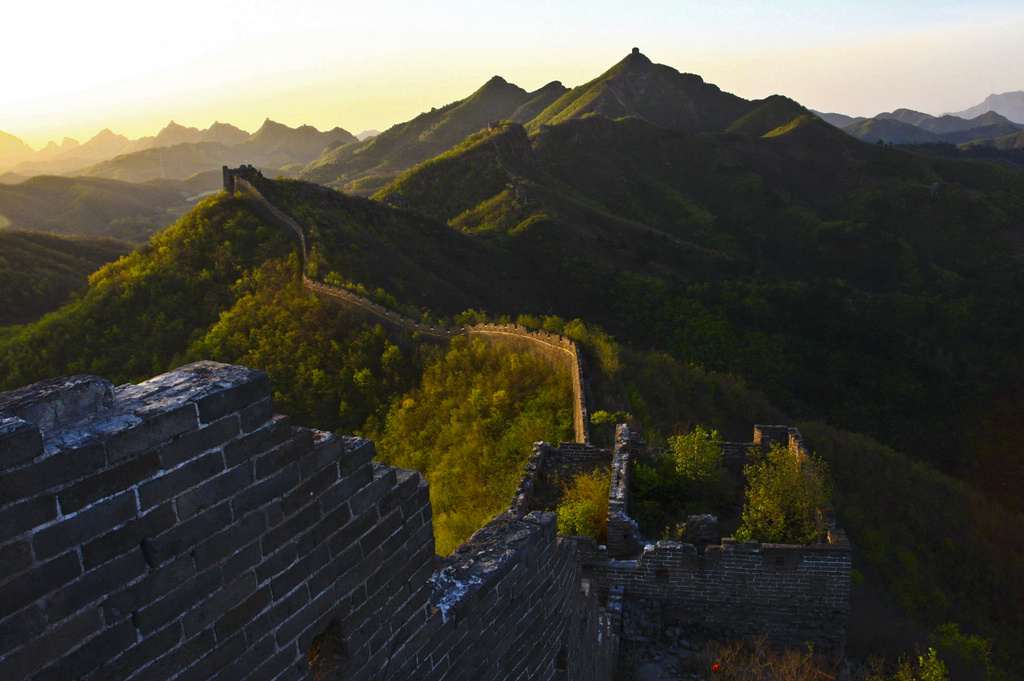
113 156
1009 104
636 86
366 166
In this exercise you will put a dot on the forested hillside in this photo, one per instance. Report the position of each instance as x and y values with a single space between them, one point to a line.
39 272
79 206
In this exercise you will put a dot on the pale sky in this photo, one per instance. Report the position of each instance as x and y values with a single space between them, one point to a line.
71 70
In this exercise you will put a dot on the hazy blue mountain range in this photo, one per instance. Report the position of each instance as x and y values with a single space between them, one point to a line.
905 126
95 206
176 152
999 116
1009 104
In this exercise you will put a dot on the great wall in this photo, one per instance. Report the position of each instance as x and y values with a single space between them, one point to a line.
556 349
179 529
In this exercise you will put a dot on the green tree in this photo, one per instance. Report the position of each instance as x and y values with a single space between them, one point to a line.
469 427
784 492
583 510
697 455
928 668
686 480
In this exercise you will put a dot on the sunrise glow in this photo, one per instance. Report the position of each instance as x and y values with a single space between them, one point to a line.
133 67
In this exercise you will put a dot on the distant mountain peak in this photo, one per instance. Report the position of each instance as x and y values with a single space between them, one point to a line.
656 93
271 126
1008 104
497 86
13 146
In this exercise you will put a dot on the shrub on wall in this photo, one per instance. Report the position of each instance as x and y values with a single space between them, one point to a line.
784 492
697 455
583 510
688 479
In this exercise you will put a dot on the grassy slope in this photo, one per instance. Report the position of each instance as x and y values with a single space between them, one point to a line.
146 308
717 248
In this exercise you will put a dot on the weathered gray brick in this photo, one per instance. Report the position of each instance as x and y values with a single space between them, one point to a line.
93 586
80 528
185 535
275 431
19 517
20 441
213 491
50 472
190 445
156 428
174 482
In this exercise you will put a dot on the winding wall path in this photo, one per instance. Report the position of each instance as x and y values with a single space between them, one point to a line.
556 349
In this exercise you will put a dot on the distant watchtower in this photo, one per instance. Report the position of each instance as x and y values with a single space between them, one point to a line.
246 172
636 50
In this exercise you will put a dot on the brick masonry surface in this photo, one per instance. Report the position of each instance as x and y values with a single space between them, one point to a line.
791 594
178 529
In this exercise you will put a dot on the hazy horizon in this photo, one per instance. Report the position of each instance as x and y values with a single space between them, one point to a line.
131 68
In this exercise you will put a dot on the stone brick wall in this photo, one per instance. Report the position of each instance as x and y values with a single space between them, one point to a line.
558 350
508 604
792 594
624 538
178 529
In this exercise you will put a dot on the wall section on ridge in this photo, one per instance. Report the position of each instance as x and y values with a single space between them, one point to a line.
559 351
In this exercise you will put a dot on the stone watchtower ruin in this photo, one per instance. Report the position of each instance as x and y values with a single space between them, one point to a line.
246 172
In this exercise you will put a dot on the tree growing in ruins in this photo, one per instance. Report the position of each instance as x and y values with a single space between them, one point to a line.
697 455
784 492
583 510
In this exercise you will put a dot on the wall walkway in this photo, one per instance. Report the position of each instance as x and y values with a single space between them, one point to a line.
559 351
